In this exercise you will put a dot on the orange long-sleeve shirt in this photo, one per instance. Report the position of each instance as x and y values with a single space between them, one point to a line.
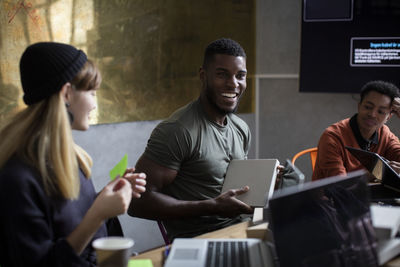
333 159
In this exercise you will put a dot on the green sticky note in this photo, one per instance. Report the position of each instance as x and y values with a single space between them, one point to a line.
140 263
120 168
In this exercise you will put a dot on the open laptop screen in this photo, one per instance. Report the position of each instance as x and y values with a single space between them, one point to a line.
377 166
324 223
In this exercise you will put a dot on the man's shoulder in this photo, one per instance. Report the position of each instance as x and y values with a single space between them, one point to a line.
337 132
339 127
238 122
183 122
385 131
184 115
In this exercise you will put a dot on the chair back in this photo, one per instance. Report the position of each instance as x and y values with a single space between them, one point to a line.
311 151
163 233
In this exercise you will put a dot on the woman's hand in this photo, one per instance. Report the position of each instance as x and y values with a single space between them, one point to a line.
137 181
114 199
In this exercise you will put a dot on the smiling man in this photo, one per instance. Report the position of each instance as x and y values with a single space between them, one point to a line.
187 155
379 100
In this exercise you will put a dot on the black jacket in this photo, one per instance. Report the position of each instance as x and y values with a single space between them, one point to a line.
33 226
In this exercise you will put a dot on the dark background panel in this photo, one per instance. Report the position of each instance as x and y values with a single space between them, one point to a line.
326 45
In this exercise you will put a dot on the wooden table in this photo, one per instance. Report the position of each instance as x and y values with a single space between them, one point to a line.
234 231
393 263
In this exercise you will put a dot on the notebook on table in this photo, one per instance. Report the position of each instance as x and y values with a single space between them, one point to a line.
377 166
258 174
324 223
248 252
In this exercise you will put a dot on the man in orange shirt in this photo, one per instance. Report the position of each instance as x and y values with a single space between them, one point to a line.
366 130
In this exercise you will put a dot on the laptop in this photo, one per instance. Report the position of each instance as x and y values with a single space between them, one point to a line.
247 252
258 174
324 223
377 166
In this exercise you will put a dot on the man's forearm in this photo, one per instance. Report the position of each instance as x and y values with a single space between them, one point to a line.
158 206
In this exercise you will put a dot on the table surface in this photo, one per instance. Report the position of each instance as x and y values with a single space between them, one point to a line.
234 231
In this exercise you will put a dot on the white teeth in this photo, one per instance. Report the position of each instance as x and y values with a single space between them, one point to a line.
228 95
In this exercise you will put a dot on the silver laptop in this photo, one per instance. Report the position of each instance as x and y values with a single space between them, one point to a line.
258 174
247 252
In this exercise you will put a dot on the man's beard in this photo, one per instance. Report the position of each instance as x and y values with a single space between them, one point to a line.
211 99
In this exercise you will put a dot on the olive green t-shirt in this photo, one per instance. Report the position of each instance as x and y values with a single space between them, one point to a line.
200 150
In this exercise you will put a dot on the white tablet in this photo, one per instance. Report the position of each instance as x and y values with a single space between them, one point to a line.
258 174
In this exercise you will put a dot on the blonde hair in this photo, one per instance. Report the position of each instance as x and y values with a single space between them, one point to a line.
41 136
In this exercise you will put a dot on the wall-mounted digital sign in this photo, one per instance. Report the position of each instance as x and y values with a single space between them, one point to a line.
346 43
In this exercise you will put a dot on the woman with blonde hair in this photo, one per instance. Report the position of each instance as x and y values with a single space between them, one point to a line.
50 212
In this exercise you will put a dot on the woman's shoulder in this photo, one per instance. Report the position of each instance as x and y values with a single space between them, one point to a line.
16 172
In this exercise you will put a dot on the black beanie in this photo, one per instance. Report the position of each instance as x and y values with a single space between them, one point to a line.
45 67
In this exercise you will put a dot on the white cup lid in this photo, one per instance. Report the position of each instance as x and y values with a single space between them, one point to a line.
113 243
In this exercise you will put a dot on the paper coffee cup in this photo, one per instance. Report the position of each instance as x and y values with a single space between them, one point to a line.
113 251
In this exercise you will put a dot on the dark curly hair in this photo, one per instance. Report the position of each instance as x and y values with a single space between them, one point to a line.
224 46
382 87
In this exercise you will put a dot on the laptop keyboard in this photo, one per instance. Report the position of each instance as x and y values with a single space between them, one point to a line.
227 253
